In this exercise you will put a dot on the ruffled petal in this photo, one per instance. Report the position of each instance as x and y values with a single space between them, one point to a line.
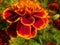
22 30
20 12
11 30
42 13
38 23
45 22
10 15
33 32
27 20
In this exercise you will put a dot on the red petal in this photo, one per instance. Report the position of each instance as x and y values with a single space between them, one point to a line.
1 43
20 12
11 30
33 32
10 15
45 22
38 23
27 20
42 13
23 30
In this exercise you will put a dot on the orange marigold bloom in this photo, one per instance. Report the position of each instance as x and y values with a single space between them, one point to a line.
26 17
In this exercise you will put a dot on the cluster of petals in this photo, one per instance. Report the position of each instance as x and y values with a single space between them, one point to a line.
51 43
53 6
25 18
57 24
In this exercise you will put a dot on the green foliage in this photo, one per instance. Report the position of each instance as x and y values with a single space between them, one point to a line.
9 2
44 3
17 41
3 24
2 8
55 16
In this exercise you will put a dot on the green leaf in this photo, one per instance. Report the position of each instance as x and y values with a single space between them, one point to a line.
32 42
17 41
55 16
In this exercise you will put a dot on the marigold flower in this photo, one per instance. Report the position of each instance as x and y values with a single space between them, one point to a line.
57 24
26 17
51 43
53 6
